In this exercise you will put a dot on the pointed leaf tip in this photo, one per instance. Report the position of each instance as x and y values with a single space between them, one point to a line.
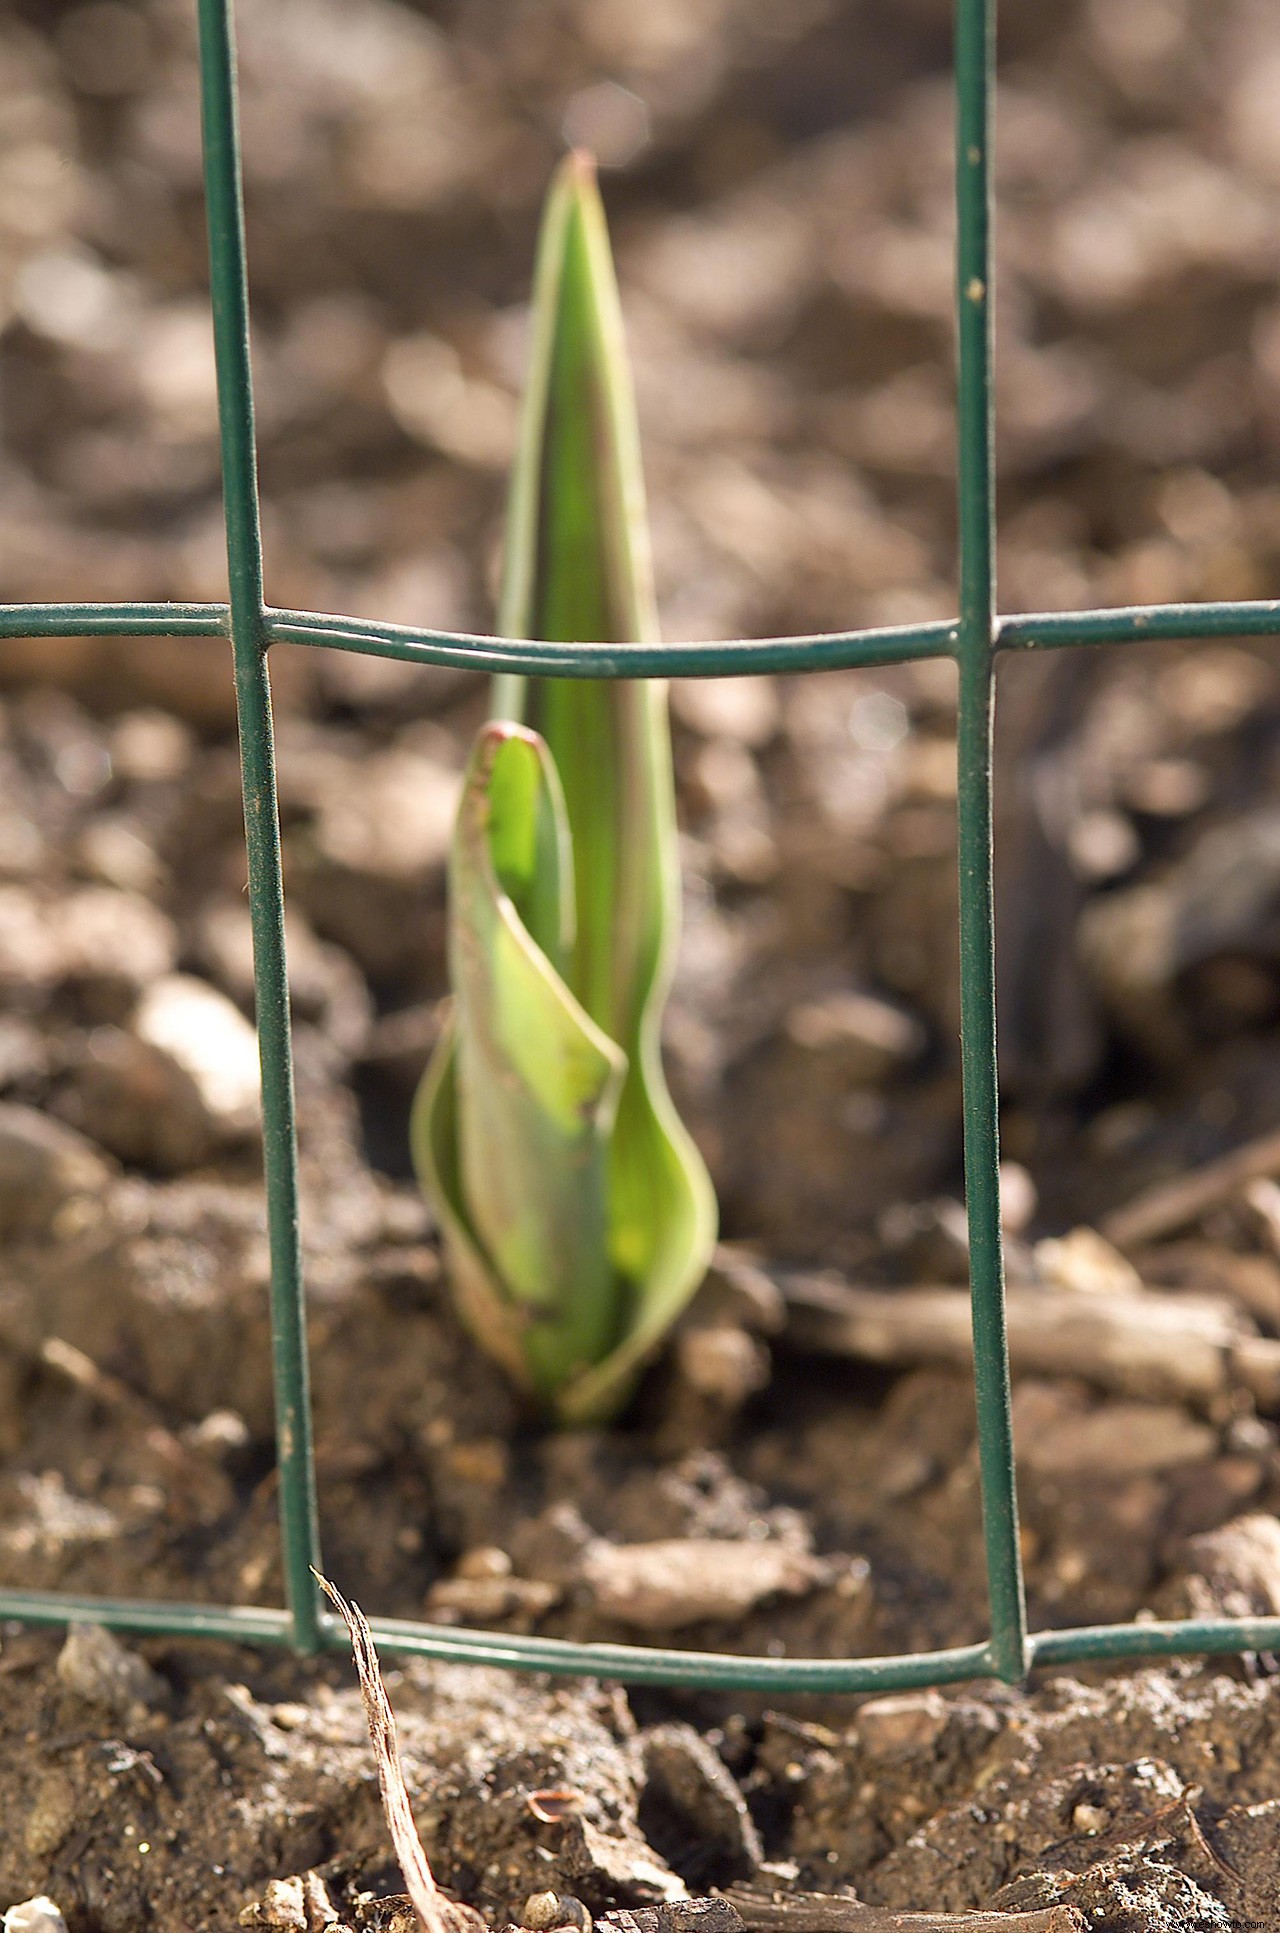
582 165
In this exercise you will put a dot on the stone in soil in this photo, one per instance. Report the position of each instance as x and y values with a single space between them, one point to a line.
678 1581
51 1178
38 1915
97 1667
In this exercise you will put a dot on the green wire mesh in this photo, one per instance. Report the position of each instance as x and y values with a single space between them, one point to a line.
973 640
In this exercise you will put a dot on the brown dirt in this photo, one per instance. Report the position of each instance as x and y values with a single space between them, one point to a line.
783 235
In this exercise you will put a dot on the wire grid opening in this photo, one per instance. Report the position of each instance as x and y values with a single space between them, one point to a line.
973 640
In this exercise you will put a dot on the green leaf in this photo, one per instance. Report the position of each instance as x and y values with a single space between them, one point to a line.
565 932
535 1081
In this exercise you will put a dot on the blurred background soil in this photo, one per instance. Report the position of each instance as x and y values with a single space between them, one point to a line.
778 177
779 183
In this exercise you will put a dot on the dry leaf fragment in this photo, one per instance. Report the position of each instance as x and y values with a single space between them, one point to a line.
552 1805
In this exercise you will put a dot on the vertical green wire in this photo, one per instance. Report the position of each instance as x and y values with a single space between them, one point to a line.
229 283
975 83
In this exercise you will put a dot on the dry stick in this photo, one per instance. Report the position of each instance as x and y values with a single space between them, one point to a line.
1169 1822
1178 1347
1172 1204
826 1913
436 1913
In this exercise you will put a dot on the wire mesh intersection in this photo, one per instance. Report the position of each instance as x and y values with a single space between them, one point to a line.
974 640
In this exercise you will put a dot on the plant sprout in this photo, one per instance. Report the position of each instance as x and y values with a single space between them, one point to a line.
577 1214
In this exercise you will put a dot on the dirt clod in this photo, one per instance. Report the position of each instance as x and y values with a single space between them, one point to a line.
691 1789
97 1667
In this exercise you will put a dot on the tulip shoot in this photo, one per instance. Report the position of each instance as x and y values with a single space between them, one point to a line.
578 1216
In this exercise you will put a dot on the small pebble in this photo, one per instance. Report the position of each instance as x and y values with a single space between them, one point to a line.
283 1906
545 1911
38 1915
210 1041
722 1363
222 1434
905 1725
484 1561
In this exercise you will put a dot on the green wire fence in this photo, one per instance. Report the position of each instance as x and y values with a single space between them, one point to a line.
974 639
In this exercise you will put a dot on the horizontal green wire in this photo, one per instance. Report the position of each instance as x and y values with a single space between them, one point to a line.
630 1664
1138 623
727 658
697 1670
637 1664
1174 1638
240 1625
113 620
825 651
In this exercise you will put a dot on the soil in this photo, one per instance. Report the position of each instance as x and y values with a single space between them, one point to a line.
778 176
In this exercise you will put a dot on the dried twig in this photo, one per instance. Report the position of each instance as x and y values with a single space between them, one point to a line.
1170 1205
437 1914
1179 1347
827 1913
1174 1821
